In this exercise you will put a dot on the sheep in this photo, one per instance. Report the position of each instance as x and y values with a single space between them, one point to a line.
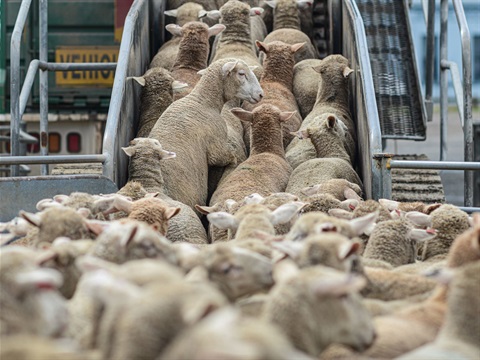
276 81
265 170
225 334
317 222
333 98
409 206
236 271
305 84
449 222
61 256
187 179
326 202
236 41
292 37
133 190
252 218
185 12
340 189
458 337
56 222
292 14
333 161
158 89
145 155
30 301
395 242
125 240
307 309
192 53
163 311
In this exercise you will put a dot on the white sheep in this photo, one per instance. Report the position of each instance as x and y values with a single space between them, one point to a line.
193 128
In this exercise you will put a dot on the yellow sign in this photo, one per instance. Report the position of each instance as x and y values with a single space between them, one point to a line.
85 54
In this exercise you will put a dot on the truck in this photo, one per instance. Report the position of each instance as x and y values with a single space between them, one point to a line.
387 101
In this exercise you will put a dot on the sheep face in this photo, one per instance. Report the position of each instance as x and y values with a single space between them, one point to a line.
237 271
240 82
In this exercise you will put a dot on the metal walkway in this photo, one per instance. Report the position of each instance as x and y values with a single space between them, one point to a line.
397 90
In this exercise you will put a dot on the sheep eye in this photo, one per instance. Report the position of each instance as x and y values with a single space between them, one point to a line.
242 72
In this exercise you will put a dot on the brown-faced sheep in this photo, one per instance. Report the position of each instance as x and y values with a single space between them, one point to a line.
276 82
192 53
158 88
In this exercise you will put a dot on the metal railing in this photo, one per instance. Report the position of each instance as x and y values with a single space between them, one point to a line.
463 92
363 102
19 96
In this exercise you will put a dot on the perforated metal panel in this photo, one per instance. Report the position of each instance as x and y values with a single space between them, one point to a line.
392 58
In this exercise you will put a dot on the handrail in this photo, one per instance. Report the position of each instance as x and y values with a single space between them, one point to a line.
364 102
463 96
15 80
430 61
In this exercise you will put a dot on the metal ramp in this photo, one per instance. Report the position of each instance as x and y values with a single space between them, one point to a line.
398 94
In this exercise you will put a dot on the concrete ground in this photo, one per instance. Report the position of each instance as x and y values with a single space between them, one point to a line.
452 180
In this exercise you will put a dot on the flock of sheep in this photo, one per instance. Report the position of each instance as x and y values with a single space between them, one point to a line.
242 232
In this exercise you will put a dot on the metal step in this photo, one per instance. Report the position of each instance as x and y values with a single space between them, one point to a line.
416 185
397 90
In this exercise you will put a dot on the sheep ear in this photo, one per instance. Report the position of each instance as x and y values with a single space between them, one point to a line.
174 29
33 219
286 115
347 71
96 227
46 256
420 236
205 209
285 212
341 214
223 220
197 274
216 29
164 154
339 285
331 121
242 114
262 46
350 203
304 4
256 11
228 67
130 150
348 249
309 190
419 219
290 248
47 203
172 13
138 79
61 198
349 193
389 204
432 207
363 223
171 212
202 13
271 3
296 47
123 204
214 14
128 236
301 134
178 85
254 198
84 212
230 203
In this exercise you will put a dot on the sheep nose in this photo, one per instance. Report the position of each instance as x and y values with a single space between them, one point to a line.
261 95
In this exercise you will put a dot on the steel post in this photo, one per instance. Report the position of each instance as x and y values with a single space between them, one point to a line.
43 41
383 162
467 97
443 79
430 59
15 82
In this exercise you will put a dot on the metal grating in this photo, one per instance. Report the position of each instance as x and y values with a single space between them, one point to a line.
399 100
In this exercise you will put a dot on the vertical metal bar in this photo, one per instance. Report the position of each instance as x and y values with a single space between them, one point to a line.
467 98
43 40
383 162
15 82
443 79
430 59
